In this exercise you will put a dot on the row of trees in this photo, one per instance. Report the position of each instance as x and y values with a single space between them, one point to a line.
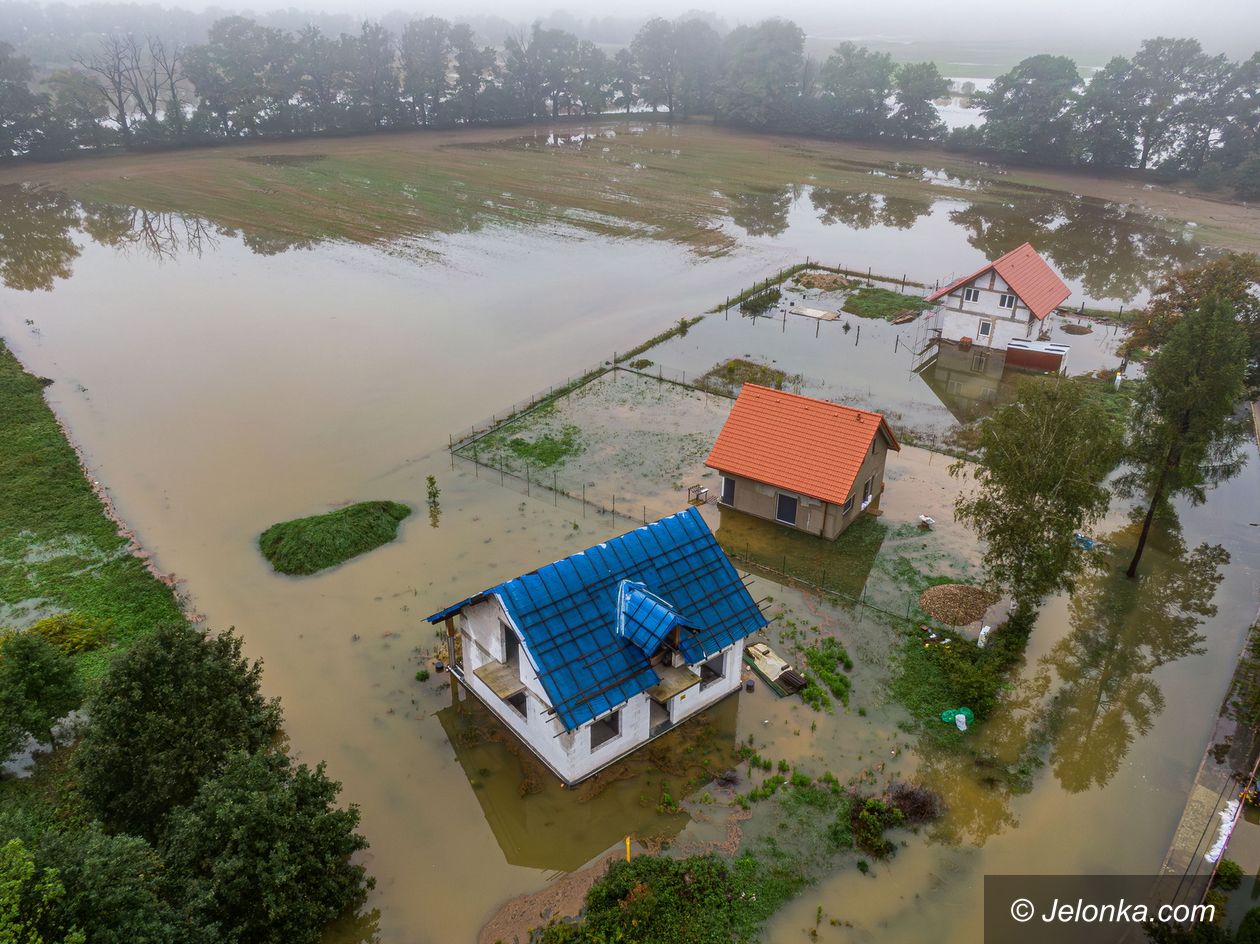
184 823
1170 106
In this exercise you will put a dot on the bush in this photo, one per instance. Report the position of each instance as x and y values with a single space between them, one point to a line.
38 686
72 633
165 717
307 545
262 853
1249 928
1229 875
917 804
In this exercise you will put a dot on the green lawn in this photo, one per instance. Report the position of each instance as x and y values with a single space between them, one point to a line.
58 550
883 303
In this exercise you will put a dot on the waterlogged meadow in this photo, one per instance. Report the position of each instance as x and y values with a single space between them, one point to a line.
243 336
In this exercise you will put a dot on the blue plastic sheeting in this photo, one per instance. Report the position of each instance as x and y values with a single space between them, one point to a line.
644 618
569 612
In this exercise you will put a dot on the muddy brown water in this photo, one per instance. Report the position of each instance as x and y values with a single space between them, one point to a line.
218 390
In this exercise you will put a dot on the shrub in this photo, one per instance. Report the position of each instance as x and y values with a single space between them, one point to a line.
262 853
307 545
165 717
38 685
72 633
761 302
1229 875
422 675
917 804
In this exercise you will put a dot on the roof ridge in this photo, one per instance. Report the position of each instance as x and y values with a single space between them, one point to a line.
809 399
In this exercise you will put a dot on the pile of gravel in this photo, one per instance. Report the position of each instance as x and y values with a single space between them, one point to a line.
956 604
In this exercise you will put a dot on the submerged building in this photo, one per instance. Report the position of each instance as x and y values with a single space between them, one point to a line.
1001 307
592 656
805 463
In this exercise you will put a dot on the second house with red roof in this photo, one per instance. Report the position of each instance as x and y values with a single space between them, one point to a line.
808 464
1003 307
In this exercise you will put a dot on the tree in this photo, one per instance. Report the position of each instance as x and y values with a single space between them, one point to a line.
78 111
372 75
113 888
591 82
857 84
426 50
1182 439
1165 73
656 54
1233 277
625 80
28 898
18 104
164 718
263 853
1028 111
109 65
918 85
38 684
762 75
1106 117
699 50
1043 460
472 66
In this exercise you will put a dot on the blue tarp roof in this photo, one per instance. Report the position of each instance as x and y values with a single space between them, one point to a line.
569 612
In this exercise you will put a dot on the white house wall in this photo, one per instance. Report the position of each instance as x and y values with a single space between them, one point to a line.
568 753
962 318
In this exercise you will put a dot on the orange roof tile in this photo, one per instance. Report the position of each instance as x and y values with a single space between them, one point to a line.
1029 277
799 444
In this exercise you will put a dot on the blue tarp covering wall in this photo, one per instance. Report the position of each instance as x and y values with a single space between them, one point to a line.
569 612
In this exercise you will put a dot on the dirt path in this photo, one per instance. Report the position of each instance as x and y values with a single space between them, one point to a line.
563 898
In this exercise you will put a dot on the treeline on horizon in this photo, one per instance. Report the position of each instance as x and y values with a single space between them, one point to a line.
1171 108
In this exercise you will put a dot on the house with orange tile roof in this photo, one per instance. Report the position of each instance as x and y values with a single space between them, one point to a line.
805 463
1002 307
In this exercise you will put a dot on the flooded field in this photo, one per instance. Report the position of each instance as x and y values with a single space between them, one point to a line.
232 357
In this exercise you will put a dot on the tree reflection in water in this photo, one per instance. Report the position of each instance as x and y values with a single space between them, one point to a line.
1122 631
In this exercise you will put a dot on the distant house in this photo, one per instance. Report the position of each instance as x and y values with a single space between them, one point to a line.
592 656
808 464
1002 306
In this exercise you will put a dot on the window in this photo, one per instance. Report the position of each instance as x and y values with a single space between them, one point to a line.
605 729
713 671
866 489
787 509
1006 301
986 328
728 491
971 294
520 704
848 506
874 441
979 360
955 386
511 645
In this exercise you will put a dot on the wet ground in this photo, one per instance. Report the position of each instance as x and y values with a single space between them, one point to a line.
220 389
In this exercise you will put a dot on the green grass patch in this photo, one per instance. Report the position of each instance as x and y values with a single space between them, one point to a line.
59 552
546 450
729 376
868 302
307 545
829 661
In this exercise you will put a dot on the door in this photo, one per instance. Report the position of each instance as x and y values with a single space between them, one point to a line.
786 512
728 491
511 646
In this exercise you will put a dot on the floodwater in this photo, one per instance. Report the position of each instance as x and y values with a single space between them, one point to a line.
217 389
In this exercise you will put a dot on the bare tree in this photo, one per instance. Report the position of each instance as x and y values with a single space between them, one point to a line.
110 64
168 65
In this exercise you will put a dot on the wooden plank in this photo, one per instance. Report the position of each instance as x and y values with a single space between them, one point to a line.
504 680
674 679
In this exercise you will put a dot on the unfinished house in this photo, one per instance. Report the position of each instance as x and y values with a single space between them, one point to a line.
1000 308
592 656
805 463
